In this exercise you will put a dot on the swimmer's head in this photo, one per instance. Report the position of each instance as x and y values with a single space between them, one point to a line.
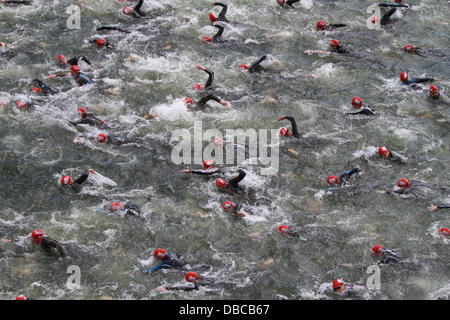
62 59
383 152
338 285
221 183
218 141
334 43
281 2
321 25
333 180
21 104
115 206
212 17
284 229
445 232
101 42
243 67
378 249
188 101
404 76
409 48
434 91
403 183
357 102
81 112
284 132
102 138
206 39
35 90
74 70
66 180
21 297
208 164
127 11
227 205
160 254
191 276
37 236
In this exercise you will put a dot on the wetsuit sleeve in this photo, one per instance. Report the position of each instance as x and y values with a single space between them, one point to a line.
393 5
235 180
386 18
337 25
444 206
82 178
365 111
205 172
49 242
219 33
294 126
255 67
210 77
138 7
291 2
205 99
415 80
185 288
85 59
25 2
342 50
224 9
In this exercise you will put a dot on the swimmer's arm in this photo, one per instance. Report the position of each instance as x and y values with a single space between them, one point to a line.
294 126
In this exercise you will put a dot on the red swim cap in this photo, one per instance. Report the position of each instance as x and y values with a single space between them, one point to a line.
37 236
284 229
101 42
208 164
403 183
115 206
127 10
21 104
66 180
398 1
221 183
160 253
212 17
36 90
334 43
337 284
62 59
333 180
1 44
191 276
404 76
206 39
284 132
445 232
434 91
227 205
21 297
75 69
197 86
81 112
188 100
409 48
243 66
357 102
102 138
378 249
382 151
321 25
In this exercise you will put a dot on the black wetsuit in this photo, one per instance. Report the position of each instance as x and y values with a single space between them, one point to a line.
234 182
348 177
389 257
414 184
206 172
108 44
332 27
218 36
210 80
171 261
132 210
45 89
112 27
255 66
48 243
202 281
137 13
120 141
77 184
386 18
395 156
425 52
90 119
444 206
75 61
288 4
366 110
339 49
24 2
295 132
222 13
201 104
